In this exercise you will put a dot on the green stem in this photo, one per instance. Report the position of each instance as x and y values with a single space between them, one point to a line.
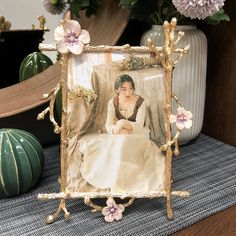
159 13
154 19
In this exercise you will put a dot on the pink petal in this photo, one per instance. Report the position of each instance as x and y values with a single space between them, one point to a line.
59 33
180 125
180 110
120 208
110 202
109 218
172 118
72 26
84 36
188 124
62 47
77 48
188 115
105 211
117 215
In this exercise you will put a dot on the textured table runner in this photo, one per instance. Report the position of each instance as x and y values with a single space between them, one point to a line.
206 168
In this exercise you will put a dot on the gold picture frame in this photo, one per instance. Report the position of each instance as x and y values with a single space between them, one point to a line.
148 58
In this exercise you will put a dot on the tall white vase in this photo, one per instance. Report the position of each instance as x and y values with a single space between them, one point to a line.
189 78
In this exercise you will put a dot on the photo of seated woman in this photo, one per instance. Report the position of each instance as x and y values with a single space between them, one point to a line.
124 159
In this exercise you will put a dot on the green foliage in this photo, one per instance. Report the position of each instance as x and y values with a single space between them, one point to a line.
75 6
89 6
160 10
216 18
155 10
58 105
140 9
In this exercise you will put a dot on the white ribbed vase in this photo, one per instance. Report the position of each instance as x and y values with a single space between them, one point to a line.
189 79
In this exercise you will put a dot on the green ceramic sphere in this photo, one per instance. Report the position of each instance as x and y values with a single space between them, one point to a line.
21 162
33 64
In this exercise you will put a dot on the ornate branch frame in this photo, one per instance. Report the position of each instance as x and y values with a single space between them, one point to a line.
165 57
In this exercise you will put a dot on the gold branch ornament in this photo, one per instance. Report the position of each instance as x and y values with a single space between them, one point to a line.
42 22
175 139
4 25
50 109
168 64
70 39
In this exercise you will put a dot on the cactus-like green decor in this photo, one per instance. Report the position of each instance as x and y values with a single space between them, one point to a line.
33 64
21 162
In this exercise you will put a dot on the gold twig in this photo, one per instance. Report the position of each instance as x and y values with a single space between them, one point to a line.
95 207
42 114
151 194
64 140
4 25
52 94
57 128
62 207
173 141
183 52
180 35
159 56
129 202
42 22
176 99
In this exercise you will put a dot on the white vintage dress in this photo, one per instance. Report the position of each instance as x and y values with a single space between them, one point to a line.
123 162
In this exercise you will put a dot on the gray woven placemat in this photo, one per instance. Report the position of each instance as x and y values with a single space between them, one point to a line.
206 168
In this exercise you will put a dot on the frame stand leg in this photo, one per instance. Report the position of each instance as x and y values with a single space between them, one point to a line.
170 214
62 207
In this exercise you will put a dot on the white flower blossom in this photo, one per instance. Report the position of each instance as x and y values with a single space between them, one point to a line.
112 211
182 118
198 8
70 37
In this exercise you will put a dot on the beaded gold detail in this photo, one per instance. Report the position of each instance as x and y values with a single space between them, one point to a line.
87 94
134 62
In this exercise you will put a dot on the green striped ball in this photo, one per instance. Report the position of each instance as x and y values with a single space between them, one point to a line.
21 162
33 64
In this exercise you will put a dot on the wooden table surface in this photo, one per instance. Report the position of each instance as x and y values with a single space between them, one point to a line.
222 223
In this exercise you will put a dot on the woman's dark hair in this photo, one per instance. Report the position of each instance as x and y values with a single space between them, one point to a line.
123 78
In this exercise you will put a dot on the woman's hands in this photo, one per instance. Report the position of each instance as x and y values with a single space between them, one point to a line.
122 127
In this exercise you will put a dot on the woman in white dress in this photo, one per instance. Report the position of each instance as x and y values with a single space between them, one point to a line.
125 159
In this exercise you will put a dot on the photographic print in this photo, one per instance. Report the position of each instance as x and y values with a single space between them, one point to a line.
115 123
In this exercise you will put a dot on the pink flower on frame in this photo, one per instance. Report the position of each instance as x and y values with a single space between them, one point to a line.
182 119
112 211
70 37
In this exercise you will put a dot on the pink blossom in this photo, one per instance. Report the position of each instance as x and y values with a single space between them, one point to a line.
112 211
182 119
198 8
70 37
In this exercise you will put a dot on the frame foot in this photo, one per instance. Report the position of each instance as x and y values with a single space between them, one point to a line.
62 207
170 214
